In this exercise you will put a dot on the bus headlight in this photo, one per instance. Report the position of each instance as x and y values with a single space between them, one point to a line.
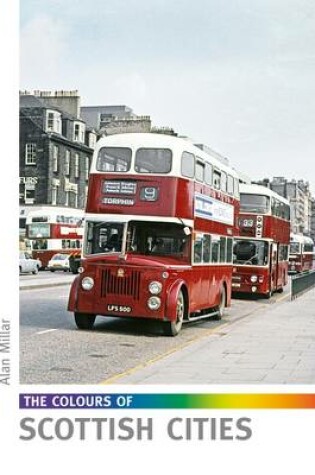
154 303
87 283
155 287
254 278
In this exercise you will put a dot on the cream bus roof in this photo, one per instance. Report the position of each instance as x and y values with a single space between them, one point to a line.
152 140
53 211
300 238
253 189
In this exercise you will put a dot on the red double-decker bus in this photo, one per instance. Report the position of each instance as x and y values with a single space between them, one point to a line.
301 254
260 252
159 225
51 230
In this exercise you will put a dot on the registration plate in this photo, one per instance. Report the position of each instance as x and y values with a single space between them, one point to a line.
119 308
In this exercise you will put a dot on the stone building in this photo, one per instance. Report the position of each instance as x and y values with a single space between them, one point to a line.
56 149
109 120
312 233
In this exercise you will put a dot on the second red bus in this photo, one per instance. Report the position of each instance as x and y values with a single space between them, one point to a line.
260 252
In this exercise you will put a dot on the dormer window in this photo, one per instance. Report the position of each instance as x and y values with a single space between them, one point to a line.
53 121
78 132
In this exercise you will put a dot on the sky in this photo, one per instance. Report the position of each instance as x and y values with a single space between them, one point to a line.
236 75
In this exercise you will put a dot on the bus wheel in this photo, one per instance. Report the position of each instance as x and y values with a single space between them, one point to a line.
221 306
84 321
173 328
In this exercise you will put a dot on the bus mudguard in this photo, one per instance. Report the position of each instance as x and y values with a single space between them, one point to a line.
73 295
171 302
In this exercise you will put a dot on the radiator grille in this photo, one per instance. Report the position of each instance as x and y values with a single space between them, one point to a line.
128 285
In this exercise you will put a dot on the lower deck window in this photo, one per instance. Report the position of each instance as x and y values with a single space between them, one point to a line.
212 249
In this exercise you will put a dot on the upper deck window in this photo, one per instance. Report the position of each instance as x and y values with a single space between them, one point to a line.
230 185
188 165
153 160
200 171
236 188
113 159
280 209
223 181
208 174
308 247
217 179
295 247
255 204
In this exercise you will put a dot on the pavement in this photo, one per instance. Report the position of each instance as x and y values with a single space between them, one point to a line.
44 279
273 346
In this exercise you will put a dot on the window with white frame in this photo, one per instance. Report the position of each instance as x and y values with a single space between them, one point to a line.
30 154
53 121
54 195
76 165
85 196
78 132
55 158
86 168
67 163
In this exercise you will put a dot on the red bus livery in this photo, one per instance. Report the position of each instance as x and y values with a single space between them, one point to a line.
260 253
53 230
159 225
301 254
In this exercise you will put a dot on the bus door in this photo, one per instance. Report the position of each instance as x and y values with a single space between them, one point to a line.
274 266
204 276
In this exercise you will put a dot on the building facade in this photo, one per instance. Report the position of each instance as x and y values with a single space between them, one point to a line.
56 149
313 219
109 120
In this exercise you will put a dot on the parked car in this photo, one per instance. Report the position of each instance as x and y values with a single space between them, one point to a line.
59 262
28 264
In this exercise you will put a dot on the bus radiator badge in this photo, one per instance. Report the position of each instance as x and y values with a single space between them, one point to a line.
120 273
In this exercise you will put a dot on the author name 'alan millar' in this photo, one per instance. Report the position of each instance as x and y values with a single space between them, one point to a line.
5 347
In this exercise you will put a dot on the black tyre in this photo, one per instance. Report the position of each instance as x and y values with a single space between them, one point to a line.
268 295
173 328
222 304
52 270
84 321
